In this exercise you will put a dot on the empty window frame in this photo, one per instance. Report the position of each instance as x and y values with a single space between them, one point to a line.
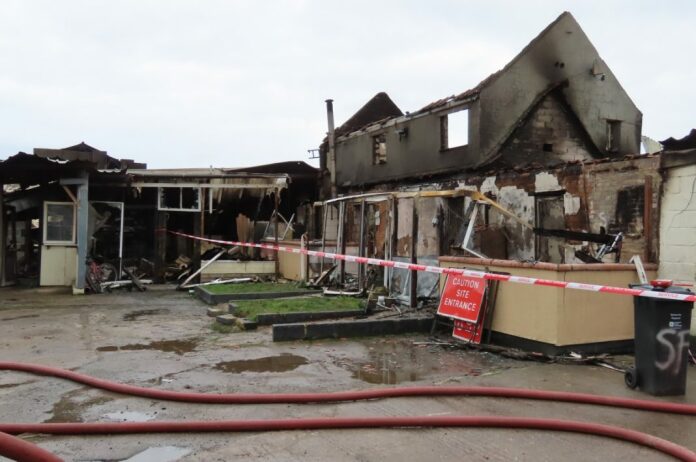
454 129
613 135
173 199
379 149
59 223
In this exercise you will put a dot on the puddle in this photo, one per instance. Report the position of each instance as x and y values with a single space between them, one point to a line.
159 454
130 416
20 317
72 404
395 361
281 363
135 315
170 346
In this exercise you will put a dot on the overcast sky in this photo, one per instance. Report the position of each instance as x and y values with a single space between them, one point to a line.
235 83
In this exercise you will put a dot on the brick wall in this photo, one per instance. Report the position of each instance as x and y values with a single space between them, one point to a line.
550 133
616 195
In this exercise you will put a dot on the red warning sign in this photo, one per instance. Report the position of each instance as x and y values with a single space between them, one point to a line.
467 331
462 298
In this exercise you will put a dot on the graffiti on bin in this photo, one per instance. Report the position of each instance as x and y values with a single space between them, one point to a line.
675 341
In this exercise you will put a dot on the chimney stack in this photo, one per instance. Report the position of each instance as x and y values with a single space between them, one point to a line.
332 150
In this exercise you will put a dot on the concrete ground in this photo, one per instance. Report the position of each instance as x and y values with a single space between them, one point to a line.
163 339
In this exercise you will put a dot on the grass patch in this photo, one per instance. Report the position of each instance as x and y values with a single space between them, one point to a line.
223 328
251 308
252 287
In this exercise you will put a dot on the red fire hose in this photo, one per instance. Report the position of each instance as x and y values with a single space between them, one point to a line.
624 434
11 448
20 450
377 393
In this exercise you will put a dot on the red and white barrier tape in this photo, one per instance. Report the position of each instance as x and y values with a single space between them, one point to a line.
454 271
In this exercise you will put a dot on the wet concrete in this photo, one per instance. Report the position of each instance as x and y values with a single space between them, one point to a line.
130 416
92 335
70 406
26 316
135 315
11 385
179 347
281 363
396 360
159 454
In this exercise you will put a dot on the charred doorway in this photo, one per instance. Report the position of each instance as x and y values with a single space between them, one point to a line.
549 214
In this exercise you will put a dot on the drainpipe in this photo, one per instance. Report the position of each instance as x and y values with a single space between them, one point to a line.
82 233
3 238
332 148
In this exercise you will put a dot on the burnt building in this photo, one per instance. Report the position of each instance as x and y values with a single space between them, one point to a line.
535 171
63 209
556 101
552 138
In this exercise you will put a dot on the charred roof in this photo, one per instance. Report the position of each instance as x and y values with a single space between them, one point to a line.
687 142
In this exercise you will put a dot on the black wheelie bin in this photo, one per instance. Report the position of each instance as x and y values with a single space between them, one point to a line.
661 341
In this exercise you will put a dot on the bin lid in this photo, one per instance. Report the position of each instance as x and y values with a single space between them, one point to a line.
662 287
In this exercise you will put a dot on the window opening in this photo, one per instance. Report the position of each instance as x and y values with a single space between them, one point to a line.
59 223
454 129
179 199
613 135
379 149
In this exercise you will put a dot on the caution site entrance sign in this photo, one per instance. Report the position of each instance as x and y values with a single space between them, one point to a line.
462 298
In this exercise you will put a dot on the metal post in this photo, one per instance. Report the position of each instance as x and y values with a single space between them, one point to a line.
197 231
120 243
304 259
414 256
275 233
361 249
325 208
3 238
82 232
341 244
393 236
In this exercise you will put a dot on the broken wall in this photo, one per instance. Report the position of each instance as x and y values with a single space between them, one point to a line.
595 197
624 197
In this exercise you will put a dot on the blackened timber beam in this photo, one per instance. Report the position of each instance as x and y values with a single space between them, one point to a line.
361 251
413 301
576 235
648 219
160 246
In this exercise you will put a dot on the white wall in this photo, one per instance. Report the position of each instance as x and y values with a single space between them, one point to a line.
678 228
678 225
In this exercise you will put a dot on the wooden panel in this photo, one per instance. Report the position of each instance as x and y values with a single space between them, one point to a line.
58 265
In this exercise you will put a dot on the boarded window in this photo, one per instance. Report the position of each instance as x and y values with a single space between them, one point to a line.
613 135
454 129
59 223
179 199
379 149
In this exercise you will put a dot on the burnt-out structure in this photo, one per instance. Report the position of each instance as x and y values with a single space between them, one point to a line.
552 138
537 170
556 101
67 213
